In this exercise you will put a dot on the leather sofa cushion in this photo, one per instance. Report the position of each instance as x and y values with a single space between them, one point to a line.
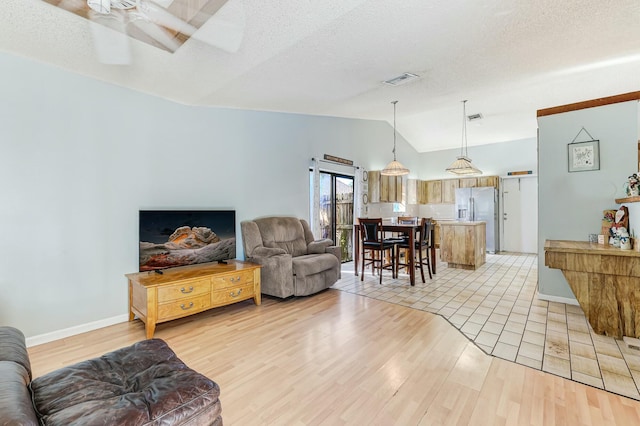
314 263
15 399
143 384
13 347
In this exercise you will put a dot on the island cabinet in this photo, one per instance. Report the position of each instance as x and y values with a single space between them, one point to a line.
463 244
604 279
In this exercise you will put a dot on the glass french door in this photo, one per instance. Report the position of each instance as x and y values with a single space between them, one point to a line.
336 211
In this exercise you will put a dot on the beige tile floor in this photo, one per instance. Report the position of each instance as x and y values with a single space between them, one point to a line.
496 307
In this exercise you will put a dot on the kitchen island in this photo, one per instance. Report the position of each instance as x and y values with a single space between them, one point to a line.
463 244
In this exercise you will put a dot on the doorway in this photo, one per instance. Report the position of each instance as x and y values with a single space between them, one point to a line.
520 214
336 210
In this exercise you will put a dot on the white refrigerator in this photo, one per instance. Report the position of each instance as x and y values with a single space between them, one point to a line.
480 204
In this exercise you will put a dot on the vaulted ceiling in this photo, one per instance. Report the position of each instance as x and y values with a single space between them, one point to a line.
508 58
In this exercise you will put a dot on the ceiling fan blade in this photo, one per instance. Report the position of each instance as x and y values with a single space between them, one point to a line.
140 27
109 38
225 29
161 16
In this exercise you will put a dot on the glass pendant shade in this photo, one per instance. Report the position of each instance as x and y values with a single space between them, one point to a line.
463 165
394 168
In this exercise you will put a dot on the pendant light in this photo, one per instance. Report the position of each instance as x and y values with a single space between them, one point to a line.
394 168
463 165
100 6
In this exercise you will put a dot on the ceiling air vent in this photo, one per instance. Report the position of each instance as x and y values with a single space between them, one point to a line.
401 79
474 117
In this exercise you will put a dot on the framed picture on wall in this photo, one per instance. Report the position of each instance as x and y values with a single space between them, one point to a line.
584 156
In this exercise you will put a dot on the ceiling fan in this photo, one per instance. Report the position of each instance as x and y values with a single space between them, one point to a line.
165 24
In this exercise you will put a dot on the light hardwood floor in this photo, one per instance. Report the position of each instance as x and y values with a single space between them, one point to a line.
342 359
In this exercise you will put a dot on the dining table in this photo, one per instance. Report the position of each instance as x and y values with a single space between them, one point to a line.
408 229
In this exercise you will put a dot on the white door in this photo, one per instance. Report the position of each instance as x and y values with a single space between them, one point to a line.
520 214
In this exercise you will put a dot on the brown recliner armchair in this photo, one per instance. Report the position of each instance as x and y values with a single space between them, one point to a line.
293 263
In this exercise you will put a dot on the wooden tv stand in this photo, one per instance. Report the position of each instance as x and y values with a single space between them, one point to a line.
187 290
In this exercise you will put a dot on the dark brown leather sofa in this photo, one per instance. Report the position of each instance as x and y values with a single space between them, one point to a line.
143 384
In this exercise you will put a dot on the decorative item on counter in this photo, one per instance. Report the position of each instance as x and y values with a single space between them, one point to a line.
608 218
632 186
623 237
620 226
603 239
593 238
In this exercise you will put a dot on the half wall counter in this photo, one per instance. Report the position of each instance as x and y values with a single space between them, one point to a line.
604 279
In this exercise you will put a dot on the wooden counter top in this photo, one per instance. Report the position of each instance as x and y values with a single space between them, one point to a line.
460 223
585 247
605 281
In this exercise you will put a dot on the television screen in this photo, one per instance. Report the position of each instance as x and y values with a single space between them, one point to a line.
171 238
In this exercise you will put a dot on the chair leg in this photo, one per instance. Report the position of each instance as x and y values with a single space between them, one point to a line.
420 264
364 260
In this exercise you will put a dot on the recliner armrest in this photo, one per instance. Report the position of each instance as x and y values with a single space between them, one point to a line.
337 252
319 246
268 252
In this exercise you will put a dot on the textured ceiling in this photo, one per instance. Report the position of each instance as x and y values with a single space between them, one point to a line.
509 58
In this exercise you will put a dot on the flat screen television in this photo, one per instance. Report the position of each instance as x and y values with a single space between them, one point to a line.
170 238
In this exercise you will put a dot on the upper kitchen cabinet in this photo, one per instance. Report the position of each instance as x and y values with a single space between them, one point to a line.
434 191
468 182
384 189
488 181
449 187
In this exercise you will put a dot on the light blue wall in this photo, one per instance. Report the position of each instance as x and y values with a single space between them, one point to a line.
493 159
79 158
571 204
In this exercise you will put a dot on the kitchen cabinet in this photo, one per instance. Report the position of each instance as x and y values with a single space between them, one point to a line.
384 189
468 182
462 244
449 187
488 181
422 192
434 191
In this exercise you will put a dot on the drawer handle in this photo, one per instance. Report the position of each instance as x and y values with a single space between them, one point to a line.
184 308
235 294
186 291
233 280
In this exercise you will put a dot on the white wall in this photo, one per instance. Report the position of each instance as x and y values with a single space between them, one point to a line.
571 204
79 158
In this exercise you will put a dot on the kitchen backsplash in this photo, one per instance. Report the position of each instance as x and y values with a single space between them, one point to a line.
438 211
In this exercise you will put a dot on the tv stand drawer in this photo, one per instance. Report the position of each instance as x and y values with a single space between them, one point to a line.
187 290
184 289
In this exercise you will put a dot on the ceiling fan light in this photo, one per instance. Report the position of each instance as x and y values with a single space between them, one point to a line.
100 6
463 167
394 168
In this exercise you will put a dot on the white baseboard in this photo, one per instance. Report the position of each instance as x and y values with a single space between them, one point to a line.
72 331
565 300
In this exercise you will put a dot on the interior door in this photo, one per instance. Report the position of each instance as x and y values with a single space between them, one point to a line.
336 211
520 214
